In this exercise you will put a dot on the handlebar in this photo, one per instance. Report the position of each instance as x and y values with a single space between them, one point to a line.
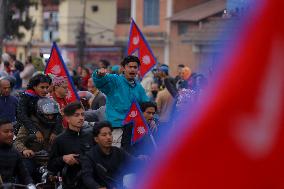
41 153
13 185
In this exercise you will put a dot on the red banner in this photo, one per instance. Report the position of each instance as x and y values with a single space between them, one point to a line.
137 42
237 140
140 127
56 67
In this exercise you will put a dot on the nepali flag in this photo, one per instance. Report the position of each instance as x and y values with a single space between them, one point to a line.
136 42
236 139
140 127
56 67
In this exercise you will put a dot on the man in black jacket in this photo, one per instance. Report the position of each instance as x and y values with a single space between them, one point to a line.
11 164
104 166
37 88
75 141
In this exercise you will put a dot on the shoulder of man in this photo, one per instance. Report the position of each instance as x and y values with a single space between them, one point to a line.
118 151
15 152
13 98
59 138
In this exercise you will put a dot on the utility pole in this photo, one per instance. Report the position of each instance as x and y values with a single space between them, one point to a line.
81 37
3 5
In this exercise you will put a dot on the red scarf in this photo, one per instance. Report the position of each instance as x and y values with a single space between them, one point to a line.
31 92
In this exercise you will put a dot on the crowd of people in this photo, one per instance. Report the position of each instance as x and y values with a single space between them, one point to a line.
87 142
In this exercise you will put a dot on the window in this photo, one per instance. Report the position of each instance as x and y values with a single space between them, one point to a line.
51 26
123 11
151 12
95 8
182 28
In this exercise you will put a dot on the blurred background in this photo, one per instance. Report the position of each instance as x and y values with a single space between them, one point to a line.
87 31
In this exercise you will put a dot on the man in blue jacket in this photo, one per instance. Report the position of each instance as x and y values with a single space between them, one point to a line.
8 103
120 90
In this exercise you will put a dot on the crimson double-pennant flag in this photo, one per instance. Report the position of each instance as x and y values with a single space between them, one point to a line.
140 127
236 139
56 67
137 42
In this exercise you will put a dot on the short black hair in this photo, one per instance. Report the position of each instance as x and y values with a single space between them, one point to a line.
37 79
6 63
181 65
130 58
148 104
105 63
71 108
98 126
13 57
86 69
19 65
4 121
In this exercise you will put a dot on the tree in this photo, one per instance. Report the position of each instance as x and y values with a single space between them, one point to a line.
17 16
14 14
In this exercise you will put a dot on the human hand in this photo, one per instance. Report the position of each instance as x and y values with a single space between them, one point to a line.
153 126
28 153
52 138
39 137
70 159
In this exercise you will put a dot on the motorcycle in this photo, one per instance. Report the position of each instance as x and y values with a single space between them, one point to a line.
45 179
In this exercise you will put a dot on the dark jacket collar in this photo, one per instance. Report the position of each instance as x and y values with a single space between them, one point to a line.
4 146
74 133
99 150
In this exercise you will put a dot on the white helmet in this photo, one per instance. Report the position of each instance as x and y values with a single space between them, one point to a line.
47 106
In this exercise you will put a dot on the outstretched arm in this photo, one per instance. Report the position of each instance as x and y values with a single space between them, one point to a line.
103 81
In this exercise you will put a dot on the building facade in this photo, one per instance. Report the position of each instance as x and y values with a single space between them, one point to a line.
174 28
63 22
178 31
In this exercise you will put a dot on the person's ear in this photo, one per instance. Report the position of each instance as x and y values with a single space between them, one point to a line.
122 68
34 88
96 139
67 118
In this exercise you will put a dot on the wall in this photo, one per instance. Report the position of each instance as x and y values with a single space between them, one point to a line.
180 5
180 53
99 25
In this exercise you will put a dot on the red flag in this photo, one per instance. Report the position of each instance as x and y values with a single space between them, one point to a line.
56 67
140 127
237 140
138 42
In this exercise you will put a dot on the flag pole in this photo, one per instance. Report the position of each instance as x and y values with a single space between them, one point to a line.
153 141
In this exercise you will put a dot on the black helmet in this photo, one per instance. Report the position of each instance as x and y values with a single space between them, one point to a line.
47 106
